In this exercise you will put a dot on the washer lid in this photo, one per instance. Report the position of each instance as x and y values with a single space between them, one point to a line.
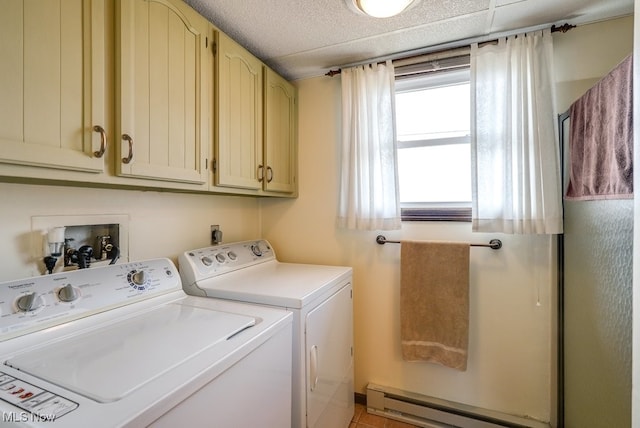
110 362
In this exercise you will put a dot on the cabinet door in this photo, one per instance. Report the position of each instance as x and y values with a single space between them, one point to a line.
52 83
280 133
162 133
239 116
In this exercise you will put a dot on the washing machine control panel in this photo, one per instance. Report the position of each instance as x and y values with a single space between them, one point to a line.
220 259
35 303
42 405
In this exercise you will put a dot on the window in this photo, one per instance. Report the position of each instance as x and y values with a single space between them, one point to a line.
434 162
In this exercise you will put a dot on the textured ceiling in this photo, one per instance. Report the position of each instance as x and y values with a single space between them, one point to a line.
306 38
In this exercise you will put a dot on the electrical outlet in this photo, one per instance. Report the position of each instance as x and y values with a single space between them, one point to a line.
216 234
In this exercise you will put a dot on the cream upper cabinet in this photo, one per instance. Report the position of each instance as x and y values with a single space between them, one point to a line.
52 83
162 85
280 134
238 108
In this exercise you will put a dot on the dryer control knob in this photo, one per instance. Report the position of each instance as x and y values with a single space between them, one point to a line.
220 258
206 261
68 293
232 255
256 250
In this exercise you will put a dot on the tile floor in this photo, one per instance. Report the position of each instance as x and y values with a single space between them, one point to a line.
362 419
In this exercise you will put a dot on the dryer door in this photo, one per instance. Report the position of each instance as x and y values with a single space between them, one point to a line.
329 358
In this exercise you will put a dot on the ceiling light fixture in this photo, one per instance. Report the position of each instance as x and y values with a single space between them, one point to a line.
381 8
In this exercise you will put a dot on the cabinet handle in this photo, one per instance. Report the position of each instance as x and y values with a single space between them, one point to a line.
103 141
128 138
260 173
269 174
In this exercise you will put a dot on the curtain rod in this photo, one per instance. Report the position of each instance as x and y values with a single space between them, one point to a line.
453 46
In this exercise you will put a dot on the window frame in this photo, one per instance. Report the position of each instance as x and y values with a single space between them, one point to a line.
437 211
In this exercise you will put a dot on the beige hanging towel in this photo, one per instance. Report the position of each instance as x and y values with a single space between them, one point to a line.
434 302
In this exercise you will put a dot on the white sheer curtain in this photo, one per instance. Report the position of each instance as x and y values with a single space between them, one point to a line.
516 183
369 196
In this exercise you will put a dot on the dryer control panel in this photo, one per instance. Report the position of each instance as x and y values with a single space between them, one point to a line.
36 303
224 258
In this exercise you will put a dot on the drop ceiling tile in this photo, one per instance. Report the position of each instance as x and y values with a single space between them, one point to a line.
318 62
283 27
301 38
537 12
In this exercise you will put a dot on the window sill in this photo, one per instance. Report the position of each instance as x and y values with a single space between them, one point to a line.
436 214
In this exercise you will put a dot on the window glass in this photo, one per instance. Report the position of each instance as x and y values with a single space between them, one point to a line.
435 174
440 112
432 118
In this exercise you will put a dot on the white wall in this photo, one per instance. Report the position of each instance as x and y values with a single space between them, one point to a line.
160 224
511 309
587 53
513 301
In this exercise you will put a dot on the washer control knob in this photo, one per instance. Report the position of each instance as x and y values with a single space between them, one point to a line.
68 293
139 277
256 250
206 261
27 302
232 255
220 258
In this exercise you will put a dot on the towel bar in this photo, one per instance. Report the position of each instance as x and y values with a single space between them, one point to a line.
494 244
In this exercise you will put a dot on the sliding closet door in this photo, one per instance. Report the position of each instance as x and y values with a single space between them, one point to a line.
597 312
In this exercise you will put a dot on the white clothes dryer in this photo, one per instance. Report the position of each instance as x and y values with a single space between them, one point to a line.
321 301
123 345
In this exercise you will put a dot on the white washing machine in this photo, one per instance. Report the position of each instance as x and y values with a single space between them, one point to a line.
320 298
123 345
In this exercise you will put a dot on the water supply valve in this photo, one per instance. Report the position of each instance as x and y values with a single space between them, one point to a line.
104 247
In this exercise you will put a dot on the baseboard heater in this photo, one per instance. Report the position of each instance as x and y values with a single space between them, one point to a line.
431 412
